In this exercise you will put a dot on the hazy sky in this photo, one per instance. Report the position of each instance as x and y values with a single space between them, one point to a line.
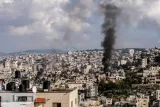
75 24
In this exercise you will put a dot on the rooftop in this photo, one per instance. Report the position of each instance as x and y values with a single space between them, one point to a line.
42 91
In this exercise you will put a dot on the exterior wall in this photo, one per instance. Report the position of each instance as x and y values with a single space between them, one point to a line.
144 63
91 103
158 95
73 97
51 98
11 97
152 80
17 104
146 73
7 65
120 77
1 67
157 80
109 101
123 62
64 98
7 97
131 52
155 68
93 91
77 85
30 105
143 102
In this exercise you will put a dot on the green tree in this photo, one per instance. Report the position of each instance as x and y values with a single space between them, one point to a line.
102 86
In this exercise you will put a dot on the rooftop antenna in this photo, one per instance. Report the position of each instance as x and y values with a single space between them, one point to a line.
17 79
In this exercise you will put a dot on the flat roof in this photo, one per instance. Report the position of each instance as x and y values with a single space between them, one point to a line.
42 91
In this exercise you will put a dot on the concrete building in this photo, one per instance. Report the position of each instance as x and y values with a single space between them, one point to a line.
42 98
144 63
19 99
108 101
91 103
158 95
57 98
79 86
131 52
7 64
123 62
142 101
93 91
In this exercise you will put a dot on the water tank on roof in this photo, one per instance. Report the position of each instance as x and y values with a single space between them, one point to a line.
10 86
46 85
22 88
17 74
26 84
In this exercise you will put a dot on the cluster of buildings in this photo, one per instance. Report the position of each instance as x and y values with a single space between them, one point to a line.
74 79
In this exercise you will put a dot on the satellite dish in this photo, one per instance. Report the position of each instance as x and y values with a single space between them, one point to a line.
34 89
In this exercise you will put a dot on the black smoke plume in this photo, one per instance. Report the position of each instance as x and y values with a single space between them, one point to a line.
108 29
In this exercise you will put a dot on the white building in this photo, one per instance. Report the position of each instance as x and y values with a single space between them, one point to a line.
79 86
123 62
158 95
142 101
144 63
7 65
13 99
93 91
15 64
52 98
1 66
131 52
108 101
91 103
88 67
57 98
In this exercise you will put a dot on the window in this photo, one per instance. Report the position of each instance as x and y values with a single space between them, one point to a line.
75 100
29 98
22 98
56 104
71 103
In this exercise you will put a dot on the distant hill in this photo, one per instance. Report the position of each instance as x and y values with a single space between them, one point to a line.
3 54
43 51
135 49
35 51
39 51
50 51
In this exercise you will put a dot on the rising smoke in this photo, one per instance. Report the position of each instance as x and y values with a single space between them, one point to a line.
135 18
108 29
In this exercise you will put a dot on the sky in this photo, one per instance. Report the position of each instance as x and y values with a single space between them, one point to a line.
75 24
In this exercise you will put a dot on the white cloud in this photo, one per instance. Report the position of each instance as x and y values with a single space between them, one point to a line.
133 12
58 22
20 31
48 18
142 17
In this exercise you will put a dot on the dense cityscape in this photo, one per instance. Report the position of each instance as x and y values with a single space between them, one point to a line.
80 53
133 79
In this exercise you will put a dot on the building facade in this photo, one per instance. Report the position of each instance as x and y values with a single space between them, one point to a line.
58 98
